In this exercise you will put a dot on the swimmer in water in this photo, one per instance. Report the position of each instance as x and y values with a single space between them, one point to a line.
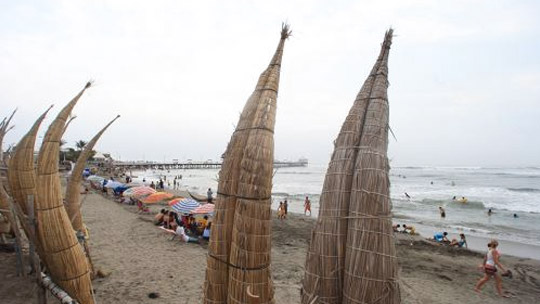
407 195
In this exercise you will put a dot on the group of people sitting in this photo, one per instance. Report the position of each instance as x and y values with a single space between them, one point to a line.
187 227
442 238
404 229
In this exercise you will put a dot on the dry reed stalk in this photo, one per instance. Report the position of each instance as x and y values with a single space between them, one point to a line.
323 281
4 197
370 263
239 248
21 170
63 255
73 188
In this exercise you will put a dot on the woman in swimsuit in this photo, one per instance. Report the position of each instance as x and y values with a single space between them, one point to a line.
491 261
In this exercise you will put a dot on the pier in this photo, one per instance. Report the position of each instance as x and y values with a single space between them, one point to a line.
195 165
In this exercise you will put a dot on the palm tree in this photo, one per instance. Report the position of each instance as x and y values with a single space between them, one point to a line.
80 144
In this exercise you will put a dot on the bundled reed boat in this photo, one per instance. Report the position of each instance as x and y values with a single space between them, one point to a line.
238 263
73 188
62 253
351 257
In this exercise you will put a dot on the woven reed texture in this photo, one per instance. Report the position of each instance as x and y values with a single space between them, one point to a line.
326 258
326 255
240 243
370 263
21 169
4 197
63 254
73 188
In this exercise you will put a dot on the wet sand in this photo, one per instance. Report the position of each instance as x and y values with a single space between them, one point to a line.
142 259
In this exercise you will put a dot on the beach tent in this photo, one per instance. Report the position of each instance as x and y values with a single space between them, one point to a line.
185 206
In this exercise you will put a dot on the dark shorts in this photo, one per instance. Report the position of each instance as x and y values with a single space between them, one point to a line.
489 270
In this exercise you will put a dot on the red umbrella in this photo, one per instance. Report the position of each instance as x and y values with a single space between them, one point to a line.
204 209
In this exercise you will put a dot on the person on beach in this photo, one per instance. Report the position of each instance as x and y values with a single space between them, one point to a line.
152 185
441 237
286 206
158 219
161 184
209 195
489 265
442 212
206 232
307 206
395 227
181 232
462 241
409 229
281 211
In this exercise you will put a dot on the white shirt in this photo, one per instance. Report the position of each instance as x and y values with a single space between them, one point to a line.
181 232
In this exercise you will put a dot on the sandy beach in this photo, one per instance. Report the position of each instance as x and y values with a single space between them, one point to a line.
141 259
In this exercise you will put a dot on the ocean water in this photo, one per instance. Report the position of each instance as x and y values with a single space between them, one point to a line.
505 190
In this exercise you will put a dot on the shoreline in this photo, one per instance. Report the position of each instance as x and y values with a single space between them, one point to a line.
141 259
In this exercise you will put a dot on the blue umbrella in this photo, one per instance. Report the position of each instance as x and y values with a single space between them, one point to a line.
185 206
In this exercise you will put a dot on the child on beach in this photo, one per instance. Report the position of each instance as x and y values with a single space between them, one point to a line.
307 206
490 264
281 211
462 241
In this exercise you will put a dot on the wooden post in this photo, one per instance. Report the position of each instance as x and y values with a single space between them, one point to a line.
41 291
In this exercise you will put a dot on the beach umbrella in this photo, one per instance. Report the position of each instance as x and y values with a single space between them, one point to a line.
113 184
157 197
371 264
175 200
185 206
139 191
242 229
63 255
73 193
204 209
96 179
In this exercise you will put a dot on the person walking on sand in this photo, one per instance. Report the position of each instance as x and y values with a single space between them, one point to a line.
286 206
490 264
307 206
209 195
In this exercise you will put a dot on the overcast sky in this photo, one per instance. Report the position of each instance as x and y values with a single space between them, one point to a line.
464 75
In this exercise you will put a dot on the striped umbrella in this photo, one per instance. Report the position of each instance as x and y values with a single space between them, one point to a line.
139 191
185 206
157 197
204 209
175 200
